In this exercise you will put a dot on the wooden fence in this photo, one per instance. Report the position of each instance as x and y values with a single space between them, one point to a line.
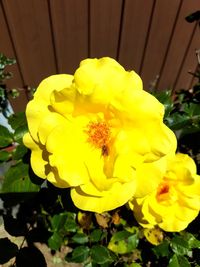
52 36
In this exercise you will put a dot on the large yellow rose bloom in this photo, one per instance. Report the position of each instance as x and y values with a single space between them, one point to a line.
176 200
91 132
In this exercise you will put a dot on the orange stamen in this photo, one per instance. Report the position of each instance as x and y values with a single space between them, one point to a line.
98 134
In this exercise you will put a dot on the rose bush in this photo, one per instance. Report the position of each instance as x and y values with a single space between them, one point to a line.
176 200
99 134
95 132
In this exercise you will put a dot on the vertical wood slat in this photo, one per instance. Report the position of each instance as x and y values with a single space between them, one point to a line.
194 80
134 32
178 45
160 32
16 81
189 63
44 34
104 27
70 30
30 28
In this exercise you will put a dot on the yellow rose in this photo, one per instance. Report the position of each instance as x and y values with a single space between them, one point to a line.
176 200
92 130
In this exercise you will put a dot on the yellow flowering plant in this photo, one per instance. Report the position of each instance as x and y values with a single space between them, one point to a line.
98 167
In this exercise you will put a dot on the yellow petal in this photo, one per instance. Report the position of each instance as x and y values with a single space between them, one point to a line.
125 142
167 141
38 108
116 197
55 179
63 101
182 168
149 176
48 123
38 160
93 77
55 82
69 149
173 225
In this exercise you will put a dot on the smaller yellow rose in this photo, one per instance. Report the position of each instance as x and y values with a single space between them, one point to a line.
176 200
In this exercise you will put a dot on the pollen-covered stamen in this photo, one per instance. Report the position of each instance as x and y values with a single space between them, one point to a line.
98 134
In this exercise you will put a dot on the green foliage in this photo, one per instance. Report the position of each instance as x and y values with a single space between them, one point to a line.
100 255
4 62
4 75
17 179
178 261
6 138
79 254
182 115
17 120
123 242
4 155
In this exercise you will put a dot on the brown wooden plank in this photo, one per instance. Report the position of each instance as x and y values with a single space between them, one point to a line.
134 32
70 29
105 18
30 28
178 45
194 80
16 81
162 25
189 63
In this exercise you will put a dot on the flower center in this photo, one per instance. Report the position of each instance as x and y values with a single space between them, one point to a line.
162 191
99 135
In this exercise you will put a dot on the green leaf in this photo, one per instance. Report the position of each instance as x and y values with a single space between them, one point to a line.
123 242
6 138
58 221
97 235
165 98
70 223
100 255
65 222
180 246
191 109
80 238
191 240
19 133
4 61
174 262
19 152
17 180
121 235
134 264
183 261
55 241
162 250
4 155
90 264
8 250
79 254
17 119
177 121
179 261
